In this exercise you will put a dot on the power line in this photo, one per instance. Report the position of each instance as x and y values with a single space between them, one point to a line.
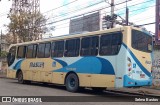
75 24
82 14
146 24
74 11
145 18
60 6
136 4
78 9
85 13
89 12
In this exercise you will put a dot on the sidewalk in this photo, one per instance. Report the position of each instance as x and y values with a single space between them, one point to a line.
2 74
142 90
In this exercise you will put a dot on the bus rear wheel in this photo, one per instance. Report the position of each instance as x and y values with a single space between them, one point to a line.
20 77
72 82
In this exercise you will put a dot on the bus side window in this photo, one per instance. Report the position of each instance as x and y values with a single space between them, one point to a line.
21 52
47 50
89 46
105 45
94 45
72 48
110 44
85 45
41 48
34 53
116 43
57 49
31 51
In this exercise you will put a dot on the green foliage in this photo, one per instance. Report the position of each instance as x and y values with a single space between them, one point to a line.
26 27
3 54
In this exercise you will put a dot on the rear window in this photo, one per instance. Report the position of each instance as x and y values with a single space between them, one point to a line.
141 41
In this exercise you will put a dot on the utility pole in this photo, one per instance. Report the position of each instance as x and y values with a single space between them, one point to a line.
112 13
127 14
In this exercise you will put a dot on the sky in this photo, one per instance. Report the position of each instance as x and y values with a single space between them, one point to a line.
141 12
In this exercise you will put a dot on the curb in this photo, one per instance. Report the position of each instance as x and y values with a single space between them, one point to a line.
136 93
152 88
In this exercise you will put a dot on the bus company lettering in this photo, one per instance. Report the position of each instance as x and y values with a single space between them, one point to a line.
71 69
37 64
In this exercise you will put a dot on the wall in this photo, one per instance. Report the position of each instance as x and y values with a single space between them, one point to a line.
156 68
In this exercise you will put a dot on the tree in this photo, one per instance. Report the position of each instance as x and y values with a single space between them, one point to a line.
3 54
25 27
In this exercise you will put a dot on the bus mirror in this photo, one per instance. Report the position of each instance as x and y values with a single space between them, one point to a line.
149 47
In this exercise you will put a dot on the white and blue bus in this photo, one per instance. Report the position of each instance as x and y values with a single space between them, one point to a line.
118 57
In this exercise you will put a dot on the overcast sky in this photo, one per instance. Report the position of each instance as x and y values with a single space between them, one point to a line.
141 11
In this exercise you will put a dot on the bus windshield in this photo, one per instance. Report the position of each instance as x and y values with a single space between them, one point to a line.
141 41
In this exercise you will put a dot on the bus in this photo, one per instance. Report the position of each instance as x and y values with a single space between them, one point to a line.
117 58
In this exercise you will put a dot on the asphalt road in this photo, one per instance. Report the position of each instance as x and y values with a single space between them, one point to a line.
10 87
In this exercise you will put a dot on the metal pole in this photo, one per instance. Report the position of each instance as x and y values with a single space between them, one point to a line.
127 14
112 13
112 7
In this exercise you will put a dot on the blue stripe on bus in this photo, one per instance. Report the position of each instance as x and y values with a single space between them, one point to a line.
137 61
63 63
132 82
18 65
94 65
107 67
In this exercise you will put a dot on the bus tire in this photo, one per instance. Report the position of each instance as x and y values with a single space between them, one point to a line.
72 82
20 77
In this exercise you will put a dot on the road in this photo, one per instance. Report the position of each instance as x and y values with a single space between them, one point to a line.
10 87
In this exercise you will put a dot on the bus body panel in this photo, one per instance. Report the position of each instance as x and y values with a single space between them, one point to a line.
129 67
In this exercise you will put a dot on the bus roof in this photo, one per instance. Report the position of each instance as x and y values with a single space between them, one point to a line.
74 35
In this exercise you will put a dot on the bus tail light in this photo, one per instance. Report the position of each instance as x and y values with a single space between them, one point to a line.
129 69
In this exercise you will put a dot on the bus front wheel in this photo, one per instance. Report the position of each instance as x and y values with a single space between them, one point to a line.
20 77
72 82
